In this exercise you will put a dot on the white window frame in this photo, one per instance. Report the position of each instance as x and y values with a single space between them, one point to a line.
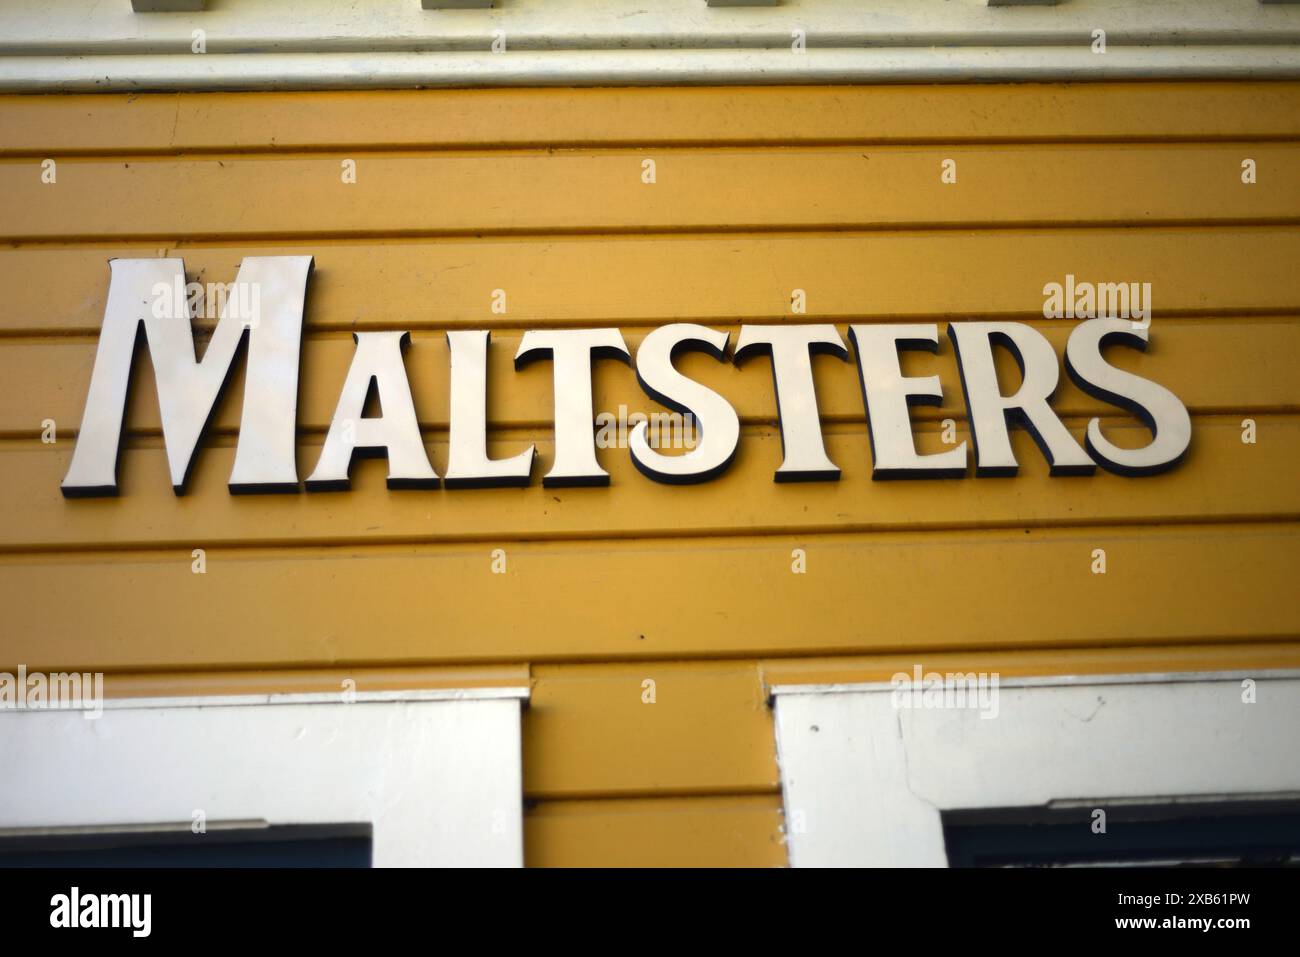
437 774
865 782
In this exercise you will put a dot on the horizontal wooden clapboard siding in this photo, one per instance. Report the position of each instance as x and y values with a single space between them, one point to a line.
1241 365
625 280
758 192
647 728
680 598
734 190
494 119
731 831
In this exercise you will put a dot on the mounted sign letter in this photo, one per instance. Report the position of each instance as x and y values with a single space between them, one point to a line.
792 348
152 293
887 394
468 465
718 423
1160 409
395 432
991 412
572 352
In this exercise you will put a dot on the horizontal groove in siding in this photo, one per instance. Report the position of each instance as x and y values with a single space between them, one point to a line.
452 119
649 280
687 598
574 192
1221 478
1244 365
722 831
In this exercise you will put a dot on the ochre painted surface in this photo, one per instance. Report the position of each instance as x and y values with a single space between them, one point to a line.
496 119
834 191
721 831
584 280
731 190
592 600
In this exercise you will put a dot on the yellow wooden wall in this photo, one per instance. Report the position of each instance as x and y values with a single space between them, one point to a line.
759 191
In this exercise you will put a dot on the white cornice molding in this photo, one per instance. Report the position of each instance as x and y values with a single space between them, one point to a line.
254 44
601 68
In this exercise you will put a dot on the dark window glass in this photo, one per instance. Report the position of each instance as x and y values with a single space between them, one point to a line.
281 846
1152 835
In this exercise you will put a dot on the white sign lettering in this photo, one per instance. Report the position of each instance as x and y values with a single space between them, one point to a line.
265 309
